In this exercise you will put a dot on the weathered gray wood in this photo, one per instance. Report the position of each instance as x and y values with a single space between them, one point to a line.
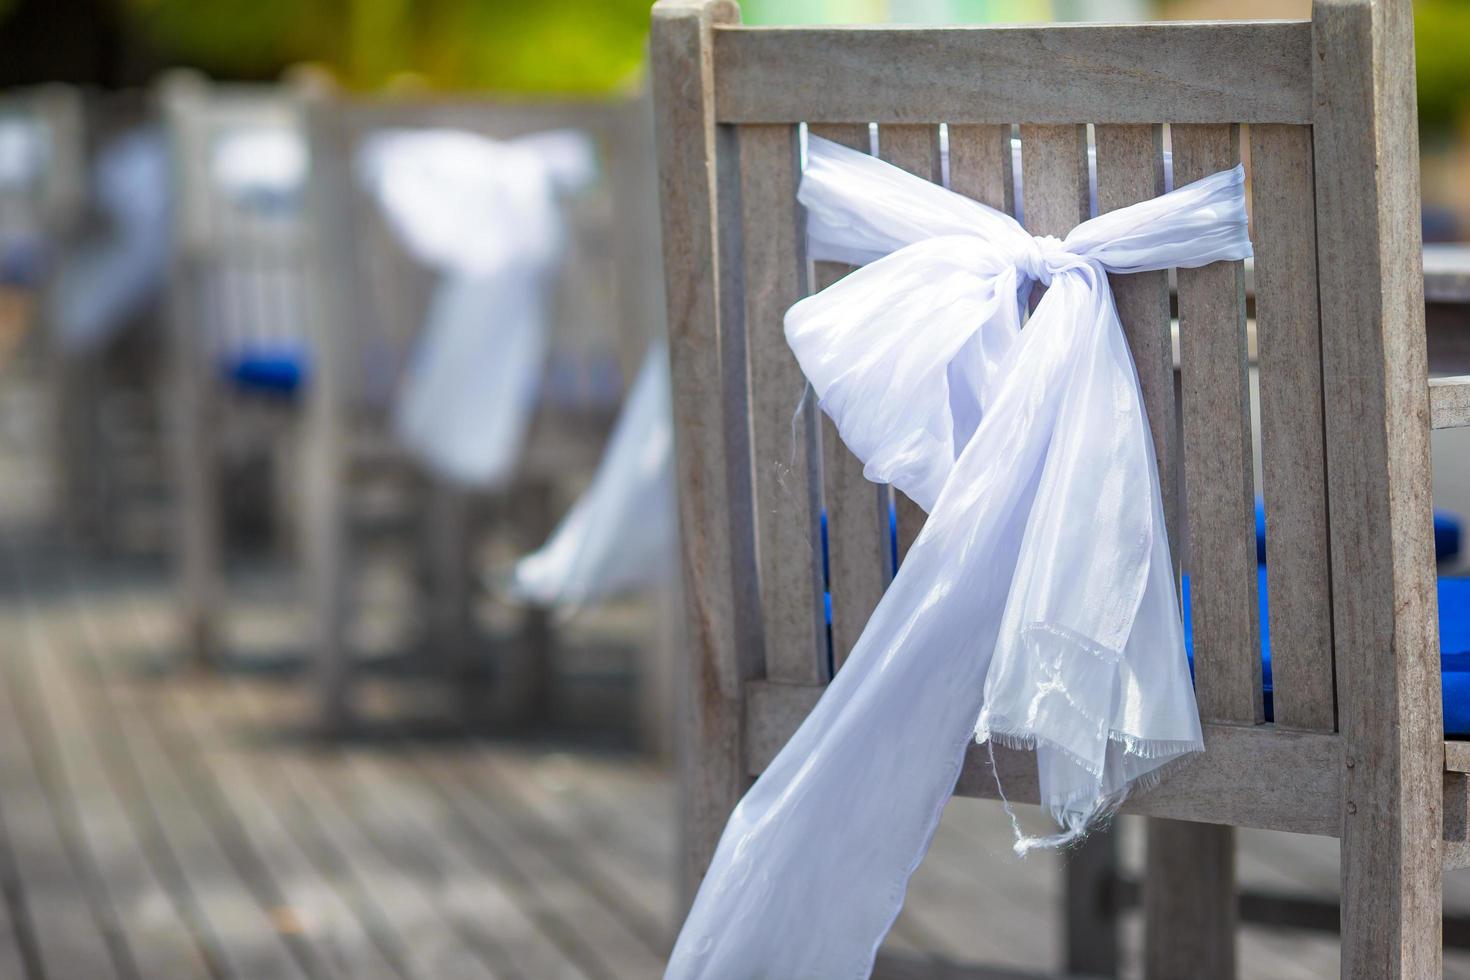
695 232
1457 756
1449 402
1186 906
1374 364
1208 73
1054 178
450 595
915 149
1248 776
190 408
785 455
857 509
1289 358
980 164
1219 485
70 939
150 919
1130 168
235 924
1191 889
1054 184
328 431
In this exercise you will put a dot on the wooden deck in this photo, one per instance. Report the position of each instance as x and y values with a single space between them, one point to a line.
156 823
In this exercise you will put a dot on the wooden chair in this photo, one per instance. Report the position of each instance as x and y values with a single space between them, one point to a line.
1356 749
370 309
40 213
239 324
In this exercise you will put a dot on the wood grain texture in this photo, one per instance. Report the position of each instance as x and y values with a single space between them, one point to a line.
1130 168
1054 185
1219 486
1189 901
713 776
1289 360
327 430
915 149
857 509
1054 178
1248 775
785 456
1457 756
1209 73
1189 897
1449 402
1374 366
190 405
980 164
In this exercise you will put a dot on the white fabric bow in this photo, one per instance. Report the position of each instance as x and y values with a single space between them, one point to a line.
105 281
488 214
1037 607
622 534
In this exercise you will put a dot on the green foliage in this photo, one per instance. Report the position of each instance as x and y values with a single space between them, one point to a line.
505 45
1442 53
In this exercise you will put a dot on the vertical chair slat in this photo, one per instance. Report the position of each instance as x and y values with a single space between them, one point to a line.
1130 168
1189 895
1054 178
857 509
914 148
786 474
980 164
1217 459
1054 184
698 237
1374 363
1289 346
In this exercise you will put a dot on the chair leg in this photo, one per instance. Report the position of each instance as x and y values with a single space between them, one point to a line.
1189 901
200 568
657 685
449 578
1392 895
1092 914
325 525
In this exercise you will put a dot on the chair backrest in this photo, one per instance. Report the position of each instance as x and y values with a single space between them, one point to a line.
43 179
239 180
1323 113
603 315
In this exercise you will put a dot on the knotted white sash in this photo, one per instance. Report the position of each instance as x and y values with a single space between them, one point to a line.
622 534
488 214
1037 606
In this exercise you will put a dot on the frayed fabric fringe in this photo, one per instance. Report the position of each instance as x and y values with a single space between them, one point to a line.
1078 824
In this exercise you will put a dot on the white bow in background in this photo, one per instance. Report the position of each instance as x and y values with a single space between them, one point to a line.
1037 607
487 214
104 281
622 534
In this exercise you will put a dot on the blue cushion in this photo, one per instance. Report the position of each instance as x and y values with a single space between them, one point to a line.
1454 645
1446 534
274 372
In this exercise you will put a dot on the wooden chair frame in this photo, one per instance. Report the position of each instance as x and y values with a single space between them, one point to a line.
343 438
1356 750
208 235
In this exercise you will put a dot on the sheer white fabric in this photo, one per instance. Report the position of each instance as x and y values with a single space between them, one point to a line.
1037 606
621 534
488 215
106 280
24 149
262 161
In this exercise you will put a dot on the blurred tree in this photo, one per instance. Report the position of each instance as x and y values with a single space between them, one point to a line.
545 46
1442 56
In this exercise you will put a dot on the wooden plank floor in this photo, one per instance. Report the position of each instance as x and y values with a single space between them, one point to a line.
158 823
